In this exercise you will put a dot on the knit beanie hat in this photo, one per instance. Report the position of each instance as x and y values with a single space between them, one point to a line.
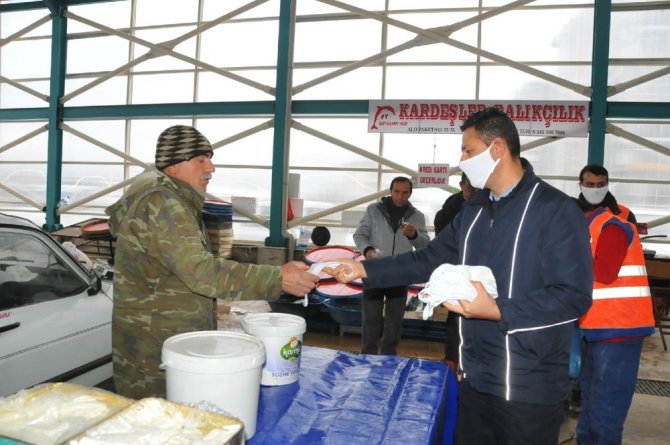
180 143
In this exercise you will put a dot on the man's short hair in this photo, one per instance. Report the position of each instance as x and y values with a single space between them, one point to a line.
401 179
491 123
594 169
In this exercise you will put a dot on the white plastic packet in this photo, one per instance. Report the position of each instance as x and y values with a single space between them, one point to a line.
316 269
78 255
451 283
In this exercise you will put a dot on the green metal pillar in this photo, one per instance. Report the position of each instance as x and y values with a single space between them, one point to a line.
55 135
599 68
282 124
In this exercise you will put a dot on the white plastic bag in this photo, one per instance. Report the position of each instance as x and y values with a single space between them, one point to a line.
78 255
451 283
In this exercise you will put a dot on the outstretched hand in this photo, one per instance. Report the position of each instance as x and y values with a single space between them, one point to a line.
295 279
347 271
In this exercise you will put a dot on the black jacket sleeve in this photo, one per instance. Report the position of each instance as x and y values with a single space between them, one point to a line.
448 212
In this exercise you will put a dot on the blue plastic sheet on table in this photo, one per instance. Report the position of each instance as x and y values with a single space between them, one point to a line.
346 398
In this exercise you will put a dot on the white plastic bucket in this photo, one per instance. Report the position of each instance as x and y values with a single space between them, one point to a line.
223 368
282 336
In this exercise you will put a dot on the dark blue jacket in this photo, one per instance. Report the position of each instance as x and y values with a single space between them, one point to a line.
536 242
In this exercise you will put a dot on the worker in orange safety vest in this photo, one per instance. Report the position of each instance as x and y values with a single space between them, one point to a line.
613 328
595 192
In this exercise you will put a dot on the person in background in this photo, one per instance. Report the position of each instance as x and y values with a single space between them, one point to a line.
594 191
392 225
613 328
515 349
452 205
594 194
320 236
443 217
166 280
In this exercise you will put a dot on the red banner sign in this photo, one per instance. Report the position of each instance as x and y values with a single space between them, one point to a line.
532 118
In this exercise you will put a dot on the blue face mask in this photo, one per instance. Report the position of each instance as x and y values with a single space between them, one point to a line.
479 168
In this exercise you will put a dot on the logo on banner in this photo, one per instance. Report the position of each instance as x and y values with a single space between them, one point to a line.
383 116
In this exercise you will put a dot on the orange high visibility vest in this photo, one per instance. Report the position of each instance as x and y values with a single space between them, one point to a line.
626 302
625 211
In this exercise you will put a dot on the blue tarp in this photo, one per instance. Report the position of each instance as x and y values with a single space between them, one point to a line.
346 398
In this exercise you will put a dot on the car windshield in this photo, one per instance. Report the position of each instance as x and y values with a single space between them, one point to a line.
32 273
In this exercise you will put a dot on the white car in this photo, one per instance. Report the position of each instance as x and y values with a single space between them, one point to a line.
55 316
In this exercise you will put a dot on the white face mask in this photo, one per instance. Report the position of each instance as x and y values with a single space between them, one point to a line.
479 168
594 195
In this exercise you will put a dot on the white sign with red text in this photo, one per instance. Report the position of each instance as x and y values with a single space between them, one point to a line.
433 175
532 118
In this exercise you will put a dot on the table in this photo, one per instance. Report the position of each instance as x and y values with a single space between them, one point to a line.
346 398
101 246
658 271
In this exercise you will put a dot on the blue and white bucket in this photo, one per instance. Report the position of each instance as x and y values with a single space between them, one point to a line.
282 336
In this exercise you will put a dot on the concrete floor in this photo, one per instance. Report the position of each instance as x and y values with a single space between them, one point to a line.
648 414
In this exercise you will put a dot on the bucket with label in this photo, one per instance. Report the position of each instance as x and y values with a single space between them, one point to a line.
220 367
282 336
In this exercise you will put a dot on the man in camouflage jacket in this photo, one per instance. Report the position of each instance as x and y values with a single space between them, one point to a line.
166 280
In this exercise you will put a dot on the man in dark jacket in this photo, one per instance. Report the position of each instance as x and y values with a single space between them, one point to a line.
452 205
444 216
515 349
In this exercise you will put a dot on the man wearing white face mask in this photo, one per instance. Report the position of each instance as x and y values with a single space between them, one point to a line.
594 188
515 349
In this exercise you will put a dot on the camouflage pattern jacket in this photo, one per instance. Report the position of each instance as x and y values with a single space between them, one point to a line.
166 279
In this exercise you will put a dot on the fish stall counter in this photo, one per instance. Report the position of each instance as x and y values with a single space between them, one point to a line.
346 398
